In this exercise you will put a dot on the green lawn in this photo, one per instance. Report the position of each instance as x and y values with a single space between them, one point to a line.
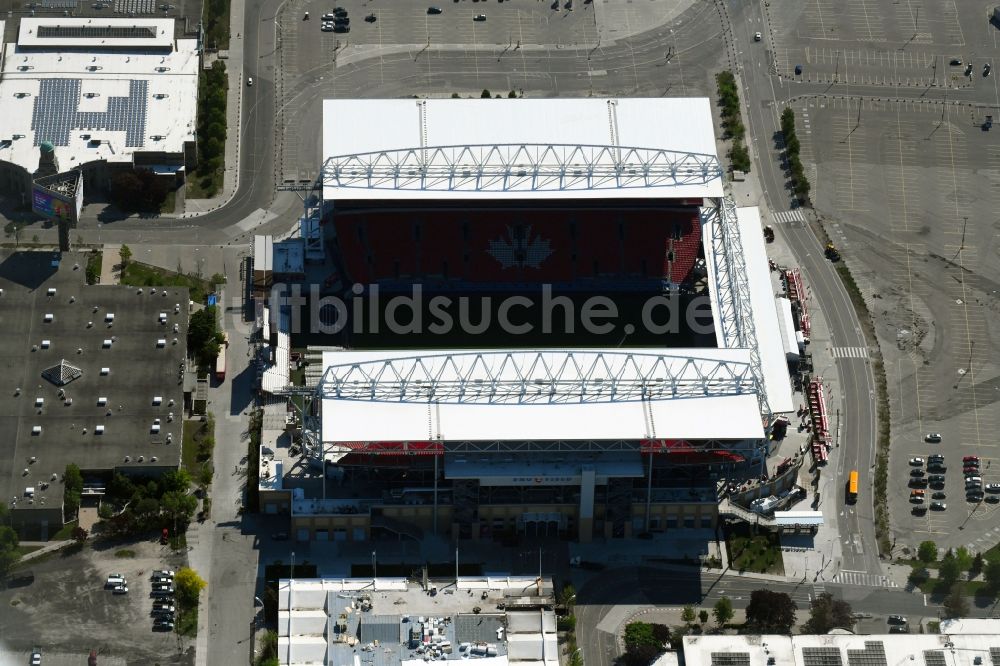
124 553
189 450
169 203
758 554
65 532
187 622
24 550
138 274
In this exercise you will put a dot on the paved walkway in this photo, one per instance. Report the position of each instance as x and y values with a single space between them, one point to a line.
110 274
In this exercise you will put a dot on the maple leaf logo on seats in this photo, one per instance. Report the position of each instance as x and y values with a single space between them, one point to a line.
520 250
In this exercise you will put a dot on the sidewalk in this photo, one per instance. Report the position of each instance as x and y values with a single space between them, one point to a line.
234 121
110 259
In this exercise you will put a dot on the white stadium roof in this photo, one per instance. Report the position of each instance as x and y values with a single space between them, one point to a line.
348 421
124 96
578 134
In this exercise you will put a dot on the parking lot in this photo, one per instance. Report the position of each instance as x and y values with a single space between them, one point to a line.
68 608
910 190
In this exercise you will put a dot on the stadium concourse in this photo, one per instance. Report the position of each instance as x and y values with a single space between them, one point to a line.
545 431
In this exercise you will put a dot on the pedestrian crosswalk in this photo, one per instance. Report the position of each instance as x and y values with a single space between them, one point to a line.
864 578
786 216
849 352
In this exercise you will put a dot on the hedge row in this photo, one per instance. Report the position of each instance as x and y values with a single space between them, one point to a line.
732 123
212 91
800 183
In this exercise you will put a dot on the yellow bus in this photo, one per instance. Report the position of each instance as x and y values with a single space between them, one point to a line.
852 487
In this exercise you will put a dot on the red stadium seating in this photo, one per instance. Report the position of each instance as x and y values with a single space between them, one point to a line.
352 250
511 245
598 245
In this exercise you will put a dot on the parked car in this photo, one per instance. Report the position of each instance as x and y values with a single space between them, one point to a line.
162 593
918 483
36 656
163 625
938 506
918 510
968 69
163 572
970 459
916 472
917 462
329 16
970 471
757 37
163 606
939 495
936 478
993 499
433 10
935 457
115 579
163 580
371 18
933 437
987 69
993 487
341 28
326 27
937 467
956 62
896 619
120 589
899 629
479 17
974 497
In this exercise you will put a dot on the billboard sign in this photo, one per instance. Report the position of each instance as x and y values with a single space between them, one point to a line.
49 205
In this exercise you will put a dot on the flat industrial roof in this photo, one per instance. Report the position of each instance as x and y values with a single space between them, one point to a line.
96 33
103 104
140 383
846 648
688 418
682 124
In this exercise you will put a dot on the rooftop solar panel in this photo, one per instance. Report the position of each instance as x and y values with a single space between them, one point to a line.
96 31
55 114
872 655
995 656
934 658
821 656
730 659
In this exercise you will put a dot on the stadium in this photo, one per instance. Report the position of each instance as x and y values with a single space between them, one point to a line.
540 318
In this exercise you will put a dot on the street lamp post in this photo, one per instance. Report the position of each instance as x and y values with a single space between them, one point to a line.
374 570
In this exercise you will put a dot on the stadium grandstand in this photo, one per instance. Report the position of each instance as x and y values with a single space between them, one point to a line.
560 433
95 95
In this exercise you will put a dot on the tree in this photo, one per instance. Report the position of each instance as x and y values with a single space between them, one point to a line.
176 480
826 613
188 585
638 634
512 94
927 552
9 554
770 612
147 508
991 572
486 94
703 616
949 570
179 507
204 336
955 604
79 534
964 558
688 614
977 565
567 597
72 489
723 611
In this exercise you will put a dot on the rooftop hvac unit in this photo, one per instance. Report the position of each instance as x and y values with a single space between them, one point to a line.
105 371
39 402
157 400
51 291
163 317
155 428
102 401
162 342
107 343
110 317
99 430
48 317
36 430
46 344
